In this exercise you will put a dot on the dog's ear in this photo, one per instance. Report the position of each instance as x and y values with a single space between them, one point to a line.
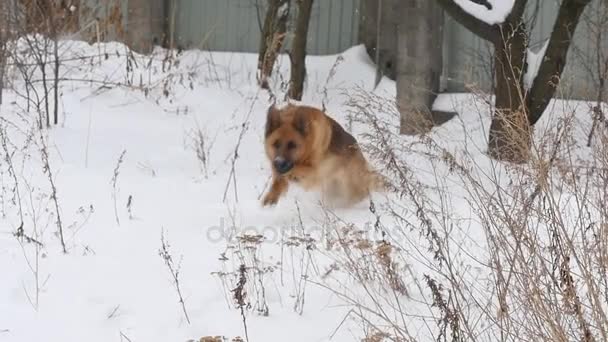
273 120
300 123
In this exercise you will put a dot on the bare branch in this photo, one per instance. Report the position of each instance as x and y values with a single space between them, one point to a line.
546 82
477 26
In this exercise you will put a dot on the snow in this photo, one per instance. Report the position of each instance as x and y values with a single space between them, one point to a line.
534 60
497 15
113 281
283 10
113 285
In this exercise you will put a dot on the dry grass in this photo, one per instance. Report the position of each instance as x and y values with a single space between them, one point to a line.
526 263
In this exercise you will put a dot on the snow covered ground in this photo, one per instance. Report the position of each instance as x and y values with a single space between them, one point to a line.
125 167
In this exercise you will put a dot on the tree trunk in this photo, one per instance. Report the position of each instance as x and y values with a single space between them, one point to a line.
144 24
298 51
53 22
509 136
267 30
550 71
419 63
274 39
516 109
2 58
4 33
380 38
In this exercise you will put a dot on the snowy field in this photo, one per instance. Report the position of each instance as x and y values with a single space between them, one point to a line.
146 153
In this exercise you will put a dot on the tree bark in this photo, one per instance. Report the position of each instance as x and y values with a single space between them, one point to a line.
4 27
267 30
5 12
144 25
36 12
419 63
53 29
378 22
509 136
298 51
275 27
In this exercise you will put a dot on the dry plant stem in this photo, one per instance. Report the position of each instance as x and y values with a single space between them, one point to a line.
56 82
2 66
540 222
45 88
27 74
174 271
202 147
52 29
358 272
11 170
402 333
235 153
240 296
597 65
330 76
378 40
124 337
248 254
273 35
305 263
41 56
130 206
114 182
35 268
49 173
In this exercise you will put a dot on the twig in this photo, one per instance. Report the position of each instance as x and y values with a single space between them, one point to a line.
48 171
240 296
330 76
244 129
111 315
114 181
123 336
174 270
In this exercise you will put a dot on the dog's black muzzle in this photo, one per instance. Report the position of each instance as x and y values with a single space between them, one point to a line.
282 165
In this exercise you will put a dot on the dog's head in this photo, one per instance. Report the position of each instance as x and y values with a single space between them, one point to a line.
286 132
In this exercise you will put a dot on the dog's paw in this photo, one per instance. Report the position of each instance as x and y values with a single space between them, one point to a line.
270 199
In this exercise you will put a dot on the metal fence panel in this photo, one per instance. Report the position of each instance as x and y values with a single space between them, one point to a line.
235 25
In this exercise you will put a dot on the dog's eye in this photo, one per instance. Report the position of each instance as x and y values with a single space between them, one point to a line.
291 145
276 144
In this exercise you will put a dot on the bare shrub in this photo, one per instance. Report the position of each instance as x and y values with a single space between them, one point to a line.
491 251
174 270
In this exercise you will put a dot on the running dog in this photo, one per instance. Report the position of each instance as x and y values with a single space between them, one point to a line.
306 146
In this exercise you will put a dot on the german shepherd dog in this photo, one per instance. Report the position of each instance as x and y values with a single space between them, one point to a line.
307 147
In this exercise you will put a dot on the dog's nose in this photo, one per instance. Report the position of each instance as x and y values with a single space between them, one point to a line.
282 165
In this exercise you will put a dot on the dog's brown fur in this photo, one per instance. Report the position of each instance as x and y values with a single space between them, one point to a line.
325 157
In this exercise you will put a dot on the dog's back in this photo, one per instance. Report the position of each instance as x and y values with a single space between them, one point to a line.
347 177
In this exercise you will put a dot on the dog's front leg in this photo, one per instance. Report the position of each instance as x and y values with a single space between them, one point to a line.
278 188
